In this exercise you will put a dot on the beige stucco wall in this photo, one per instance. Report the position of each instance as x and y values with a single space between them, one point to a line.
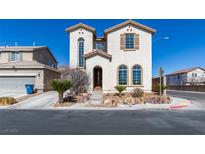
27 56
200 73
4 57
142 56
88 44
43 56
42 76
48 76
108 77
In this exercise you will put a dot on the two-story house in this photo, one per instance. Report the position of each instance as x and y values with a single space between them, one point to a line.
20 65
122 57
189 76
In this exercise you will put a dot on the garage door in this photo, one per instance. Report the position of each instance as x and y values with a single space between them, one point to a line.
15 82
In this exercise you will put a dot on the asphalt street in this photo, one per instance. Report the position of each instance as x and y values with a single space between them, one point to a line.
197 97
76 122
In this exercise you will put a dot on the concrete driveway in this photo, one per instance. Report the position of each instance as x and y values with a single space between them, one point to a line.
42 101
12 93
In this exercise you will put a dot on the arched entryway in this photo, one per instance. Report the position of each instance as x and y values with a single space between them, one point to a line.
97 78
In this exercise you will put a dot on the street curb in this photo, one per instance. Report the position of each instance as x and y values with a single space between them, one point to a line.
182 105
177 107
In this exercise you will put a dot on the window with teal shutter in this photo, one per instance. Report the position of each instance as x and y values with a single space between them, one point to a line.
21 56
9 56
15 56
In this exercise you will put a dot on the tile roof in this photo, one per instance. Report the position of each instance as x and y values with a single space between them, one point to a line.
127 23
22 48
99 53
80 25
184 70
26 65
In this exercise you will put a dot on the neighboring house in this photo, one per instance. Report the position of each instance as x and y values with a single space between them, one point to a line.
122 57
20 65
64 71
190 76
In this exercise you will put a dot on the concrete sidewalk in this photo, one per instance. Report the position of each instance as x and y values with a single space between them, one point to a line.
96 97
12 93
42 101
183 91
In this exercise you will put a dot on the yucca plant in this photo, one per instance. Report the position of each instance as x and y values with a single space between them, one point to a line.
61 86
120 89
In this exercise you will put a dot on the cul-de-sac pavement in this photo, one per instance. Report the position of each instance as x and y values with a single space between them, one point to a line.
46 121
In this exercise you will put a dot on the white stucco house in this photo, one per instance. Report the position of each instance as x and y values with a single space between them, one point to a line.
189 76
123 56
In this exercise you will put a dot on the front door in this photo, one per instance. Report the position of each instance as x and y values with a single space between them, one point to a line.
97 77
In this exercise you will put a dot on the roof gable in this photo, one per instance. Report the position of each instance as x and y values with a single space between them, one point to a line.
98 53
130 22
183 71
80 25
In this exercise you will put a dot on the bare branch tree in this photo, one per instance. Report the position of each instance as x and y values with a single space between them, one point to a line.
79 78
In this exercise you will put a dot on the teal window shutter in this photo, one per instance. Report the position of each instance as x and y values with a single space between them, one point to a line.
21 56
10 56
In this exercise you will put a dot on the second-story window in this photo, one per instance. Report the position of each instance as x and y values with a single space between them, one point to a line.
80 52
15 56
100 46
129 41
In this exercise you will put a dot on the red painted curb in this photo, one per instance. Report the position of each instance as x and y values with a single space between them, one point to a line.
178 106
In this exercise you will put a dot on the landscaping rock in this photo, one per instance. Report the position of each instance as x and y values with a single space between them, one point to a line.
121 101
128 100
108 101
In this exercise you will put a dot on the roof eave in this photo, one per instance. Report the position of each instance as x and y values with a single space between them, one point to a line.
146 28
80 25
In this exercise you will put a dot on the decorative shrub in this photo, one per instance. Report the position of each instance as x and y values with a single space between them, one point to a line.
159 99
138 92
163 87
61 86
120 89
7 100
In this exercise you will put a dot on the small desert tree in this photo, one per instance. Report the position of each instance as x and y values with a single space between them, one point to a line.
163 87
61 86
120 89
79 78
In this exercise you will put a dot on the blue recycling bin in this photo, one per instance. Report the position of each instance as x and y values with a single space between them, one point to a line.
29 88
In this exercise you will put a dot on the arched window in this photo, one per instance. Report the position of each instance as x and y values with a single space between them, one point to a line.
122 75
80 52
137 75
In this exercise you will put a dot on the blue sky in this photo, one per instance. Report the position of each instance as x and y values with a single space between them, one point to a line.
185 48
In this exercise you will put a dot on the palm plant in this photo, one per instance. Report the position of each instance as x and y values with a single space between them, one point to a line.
61 86
120 89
